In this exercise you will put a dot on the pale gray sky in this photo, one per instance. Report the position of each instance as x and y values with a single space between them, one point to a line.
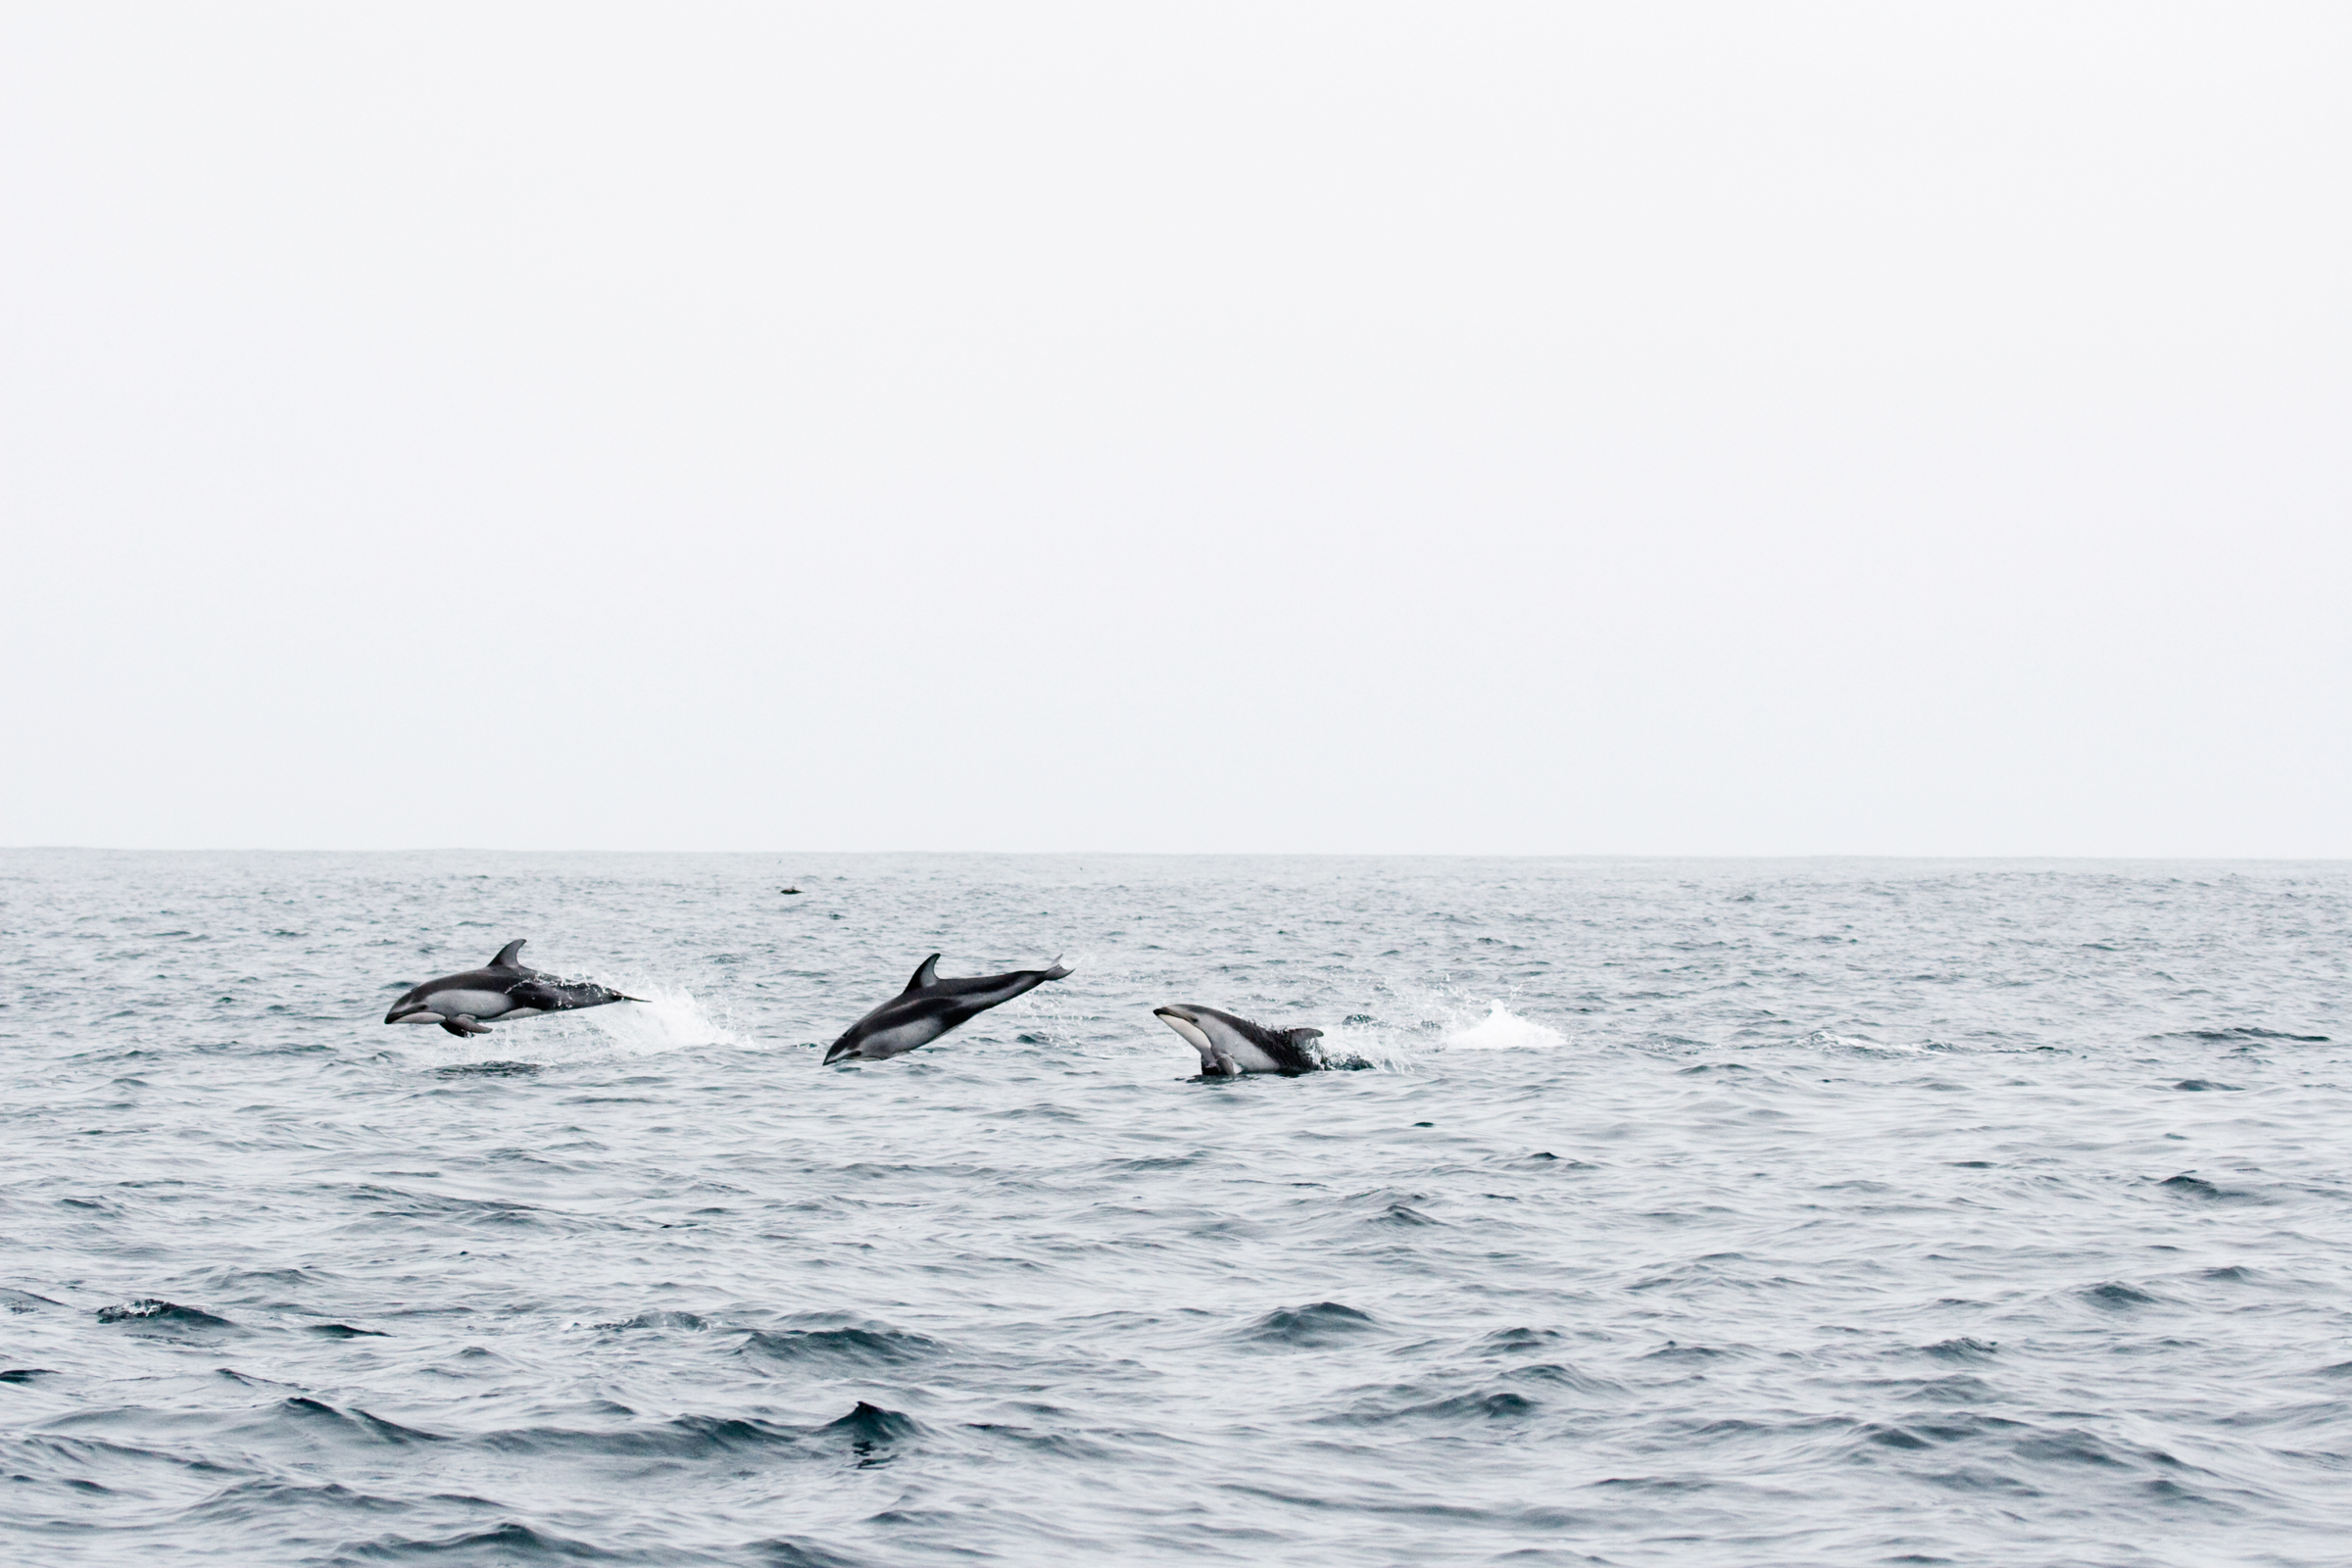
1551 428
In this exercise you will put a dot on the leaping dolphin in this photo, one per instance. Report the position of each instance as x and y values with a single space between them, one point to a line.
505 989
929 1007
1230 1046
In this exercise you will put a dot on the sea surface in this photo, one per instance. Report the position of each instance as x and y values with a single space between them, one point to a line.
1674 1212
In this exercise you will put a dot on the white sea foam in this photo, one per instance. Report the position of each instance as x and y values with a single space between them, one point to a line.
1862 1046
1505 1030
1408 1020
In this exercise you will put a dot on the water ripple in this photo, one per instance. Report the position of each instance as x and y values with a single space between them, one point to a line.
1836 1212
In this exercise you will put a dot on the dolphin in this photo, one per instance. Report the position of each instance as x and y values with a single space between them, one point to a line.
1230 1046
504 989
929 1007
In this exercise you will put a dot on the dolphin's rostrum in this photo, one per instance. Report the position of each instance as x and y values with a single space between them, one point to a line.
504 989
929 1007
1230 1046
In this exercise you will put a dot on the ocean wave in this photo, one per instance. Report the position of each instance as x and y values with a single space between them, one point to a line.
1475 1405
684 1437
841 1347
2234 1034
1317 1323
156 1314
511 1542
871 1426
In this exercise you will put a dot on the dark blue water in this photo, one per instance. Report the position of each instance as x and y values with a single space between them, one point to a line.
1689 1212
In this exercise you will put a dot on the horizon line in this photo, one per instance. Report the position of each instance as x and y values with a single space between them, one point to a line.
1329 855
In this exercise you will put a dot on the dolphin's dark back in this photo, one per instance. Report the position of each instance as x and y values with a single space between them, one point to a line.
499 974
1293 1047
499 980
1017 981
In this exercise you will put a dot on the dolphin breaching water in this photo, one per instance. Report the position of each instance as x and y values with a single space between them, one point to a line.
929 1007
462 1002
1230 1046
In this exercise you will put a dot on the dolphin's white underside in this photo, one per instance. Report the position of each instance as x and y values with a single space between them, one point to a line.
900 1039
478 1004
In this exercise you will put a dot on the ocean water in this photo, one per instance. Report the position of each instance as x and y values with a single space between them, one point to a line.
1707 1212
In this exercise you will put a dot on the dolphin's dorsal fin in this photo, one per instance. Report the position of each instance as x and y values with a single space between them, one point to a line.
925 973
1302 1038
506 958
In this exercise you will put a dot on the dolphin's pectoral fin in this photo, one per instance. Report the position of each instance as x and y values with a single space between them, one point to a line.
506 958
462 1026
925 973
1225 1064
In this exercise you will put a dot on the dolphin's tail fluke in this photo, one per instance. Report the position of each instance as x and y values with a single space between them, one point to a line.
1058 969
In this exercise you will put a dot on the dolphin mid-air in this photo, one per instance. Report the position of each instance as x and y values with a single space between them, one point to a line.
1230 1046
929 1007
462 1004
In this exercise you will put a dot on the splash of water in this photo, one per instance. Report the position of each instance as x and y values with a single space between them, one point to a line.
670 1019
1505 1030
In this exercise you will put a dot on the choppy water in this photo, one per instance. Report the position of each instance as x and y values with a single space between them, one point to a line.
1692 1213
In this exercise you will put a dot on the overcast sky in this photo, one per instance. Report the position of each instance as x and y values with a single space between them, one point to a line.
1546 429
